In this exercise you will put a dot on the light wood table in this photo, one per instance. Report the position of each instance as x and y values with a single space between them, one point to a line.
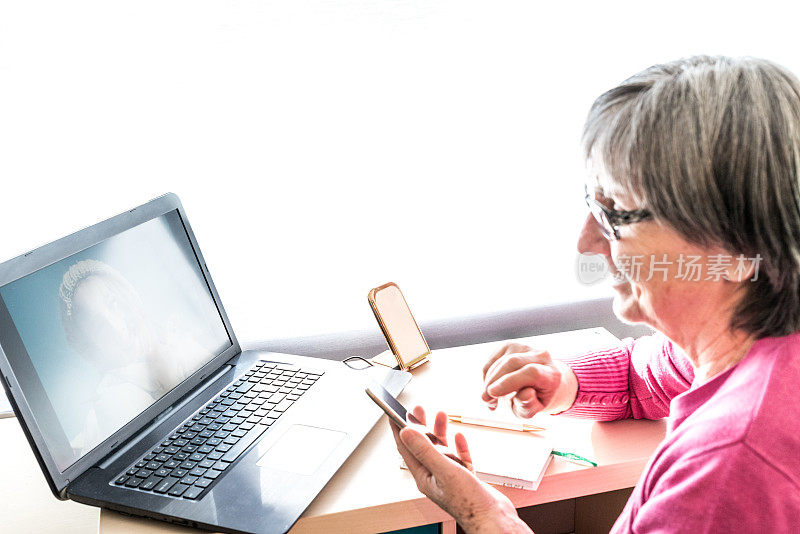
370 493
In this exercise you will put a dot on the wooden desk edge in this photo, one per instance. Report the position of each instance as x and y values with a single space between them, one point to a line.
422 511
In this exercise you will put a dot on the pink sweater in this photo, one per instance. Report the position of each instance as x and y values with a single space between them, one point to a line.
731 459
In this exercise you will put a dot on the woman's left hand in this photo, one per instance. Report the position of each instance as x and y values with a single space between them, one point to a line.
451 483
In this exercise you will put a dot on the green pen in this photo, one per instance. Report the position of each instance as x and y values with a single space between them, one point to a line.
575 458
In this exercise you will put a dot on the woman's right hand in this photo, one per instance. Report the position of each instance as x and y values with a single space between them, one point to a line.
536 381
447 478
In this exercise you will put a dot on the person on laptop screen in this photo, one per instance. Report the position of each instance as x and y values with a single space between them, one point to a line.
694 194
111 330
105 323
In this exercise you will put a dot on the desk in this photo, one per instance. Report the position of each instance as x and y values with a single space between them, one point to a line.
371 494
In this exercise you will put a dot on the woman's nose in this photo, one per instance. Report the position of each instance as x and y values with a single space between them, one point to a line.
591 240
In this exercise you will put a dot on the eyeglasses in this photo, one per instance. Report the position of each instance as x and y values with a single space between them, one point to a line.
610 219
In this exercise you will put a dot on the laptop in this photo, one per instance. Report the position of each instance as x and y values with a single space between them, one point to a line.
132 389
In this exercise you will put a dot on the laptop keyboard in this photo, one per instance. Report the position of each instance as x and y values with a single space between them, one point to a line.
191 459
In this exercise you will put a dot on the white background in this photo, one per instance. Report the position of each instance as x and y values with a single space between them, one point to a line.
324 147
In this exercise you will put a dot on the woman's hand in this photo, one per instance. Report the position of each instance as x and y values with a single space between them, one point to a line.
536 381
453 486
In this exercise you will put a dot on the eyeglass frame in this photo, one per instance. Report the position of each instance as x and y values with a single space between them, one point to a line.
610 219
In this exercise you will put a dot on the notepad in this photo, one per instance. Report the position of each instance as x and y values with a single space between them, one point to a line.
508 458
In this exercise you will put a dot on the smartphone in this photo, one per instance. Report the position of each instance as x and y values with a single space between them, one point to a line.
401 417
398 326
392 407
396 411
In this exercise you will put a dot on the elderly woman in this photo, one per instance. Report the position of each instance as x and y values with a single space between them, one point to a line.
694 194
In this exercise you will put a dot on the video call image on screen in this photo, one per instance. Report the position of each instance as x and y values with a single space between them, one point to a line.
112 329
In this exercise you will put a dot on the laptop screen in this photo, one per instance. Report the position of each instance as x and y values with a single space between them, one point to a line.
100 336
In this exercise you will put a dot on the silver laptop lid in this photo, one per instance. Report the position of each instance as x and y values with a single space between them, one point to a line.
104 329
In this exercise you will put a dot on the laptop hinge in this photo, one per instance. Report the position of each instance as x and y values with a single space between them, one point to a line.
115 454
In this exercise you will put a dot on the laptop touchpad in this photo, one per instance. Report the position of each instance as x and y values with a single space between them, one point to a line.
302 449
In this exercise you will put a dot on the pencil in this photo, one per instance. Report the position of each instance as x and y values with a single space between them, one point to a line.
503 425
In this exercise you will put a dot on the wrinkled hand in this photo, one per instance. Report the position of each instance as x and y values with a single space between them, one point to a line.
447 478
536 381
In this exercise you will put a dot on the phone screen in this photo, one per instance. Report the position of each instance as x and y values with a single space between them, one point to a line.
399 414
388 404
401 327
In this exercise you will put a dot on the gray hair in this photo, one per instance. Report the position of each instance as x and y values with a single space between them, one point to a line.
711 146
73 277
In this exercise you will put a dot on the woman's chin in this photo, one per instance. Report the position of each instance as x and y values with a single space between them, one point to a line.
626 308
626 313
